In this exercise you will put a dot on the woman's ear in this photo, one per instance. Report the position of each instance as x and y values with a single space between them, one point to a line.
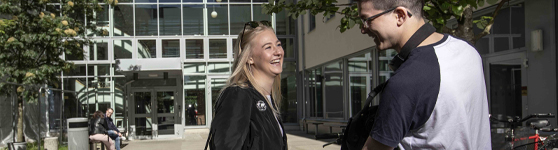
250 61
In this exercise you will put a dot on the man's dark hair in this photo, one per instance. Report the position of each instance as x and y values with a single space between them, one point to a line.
110 109
414 5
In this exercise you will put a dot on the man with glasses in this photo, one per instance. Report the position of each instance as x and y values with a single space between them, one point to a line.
437 97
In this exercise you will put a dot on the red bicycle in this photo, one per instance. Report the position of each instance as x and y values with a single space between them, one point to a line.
522 137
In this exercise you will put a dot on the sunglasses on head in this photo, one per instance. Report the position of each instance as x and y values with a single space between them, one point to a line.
252 24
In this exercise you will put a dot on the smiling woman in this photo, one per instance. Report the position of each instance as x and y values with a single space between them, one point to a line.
251 96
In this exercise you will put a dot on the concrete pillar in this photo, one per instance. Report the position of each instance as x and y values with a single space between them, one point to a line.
51 143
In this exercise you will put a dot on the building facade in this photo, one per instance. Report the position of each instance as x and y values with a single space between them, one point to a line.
164 63
340 69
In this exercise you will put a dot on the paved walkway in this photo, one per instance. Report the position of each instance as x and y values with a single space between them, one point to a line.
194 139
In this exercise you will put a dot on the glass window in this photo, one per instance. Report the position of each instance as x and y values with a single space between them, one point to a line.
289 103
103 17
214 1
220 24
100 92
193 19
147 49
146 20
316 93
259 15
171 48
218 67
123 49
98 70
288 47
119 93
357 66
78 70
102 20
217 48
241 15
194 49
125 1
357 93
285 25
98 50
169 20
72 56
312 23
194 68
289 67
518 26
334 90
146 1
123 20
482 45
194 100
186 1
502 22
384 59
501 44
75 104
169 1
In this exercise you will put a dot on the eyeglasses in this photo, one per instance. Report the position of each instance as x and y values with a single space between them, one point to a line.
367 21
252 24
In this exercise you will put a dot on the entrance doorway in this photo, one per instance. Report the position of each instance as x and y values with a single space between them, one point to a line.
155 112
506 78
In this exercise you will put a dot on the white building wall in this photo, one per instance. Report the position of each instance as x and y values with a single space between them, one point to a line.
326 43
541 73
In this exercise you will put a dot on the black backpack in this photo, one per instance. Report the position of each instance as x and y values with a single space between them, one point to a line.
359 126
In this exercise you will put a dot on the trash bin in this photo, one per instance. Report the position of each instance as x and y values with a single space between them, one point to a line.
78 134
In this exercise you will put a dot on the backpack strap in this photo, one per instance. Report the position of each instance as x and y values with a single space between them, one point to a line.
209 137
377 90
418 37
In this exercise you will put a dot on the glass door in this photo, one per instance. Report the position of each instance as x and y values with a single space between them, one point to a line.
143 114
154 111
165 103
215 85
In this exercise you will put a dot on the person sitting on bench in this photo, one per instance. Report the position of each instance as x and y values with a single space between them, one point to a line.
98 130
113 132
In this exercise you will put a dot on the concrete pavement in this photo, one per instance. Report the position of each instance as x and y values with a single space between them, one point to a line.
194 139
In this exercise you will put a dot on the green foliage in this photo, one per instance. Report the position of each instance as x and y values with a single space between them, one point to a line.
437 11
327 7
33 38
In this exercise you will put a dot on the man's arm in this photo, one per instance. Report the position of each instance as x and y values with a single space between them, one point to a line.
375 145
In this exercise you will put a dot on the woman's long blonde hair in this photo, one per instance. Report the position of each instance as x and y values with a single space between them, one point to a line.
242 75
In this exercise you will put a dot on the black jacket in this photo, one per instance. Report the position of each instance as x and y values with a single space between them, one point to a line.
243 120
98 126
110 124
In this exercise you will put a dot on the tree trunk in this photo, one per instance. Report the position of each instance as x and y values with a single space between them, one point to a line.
20 123
465 26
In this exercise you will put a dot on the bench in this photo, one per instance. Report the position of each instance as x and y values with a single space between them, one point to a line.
329 123
342 126
96 145
316 129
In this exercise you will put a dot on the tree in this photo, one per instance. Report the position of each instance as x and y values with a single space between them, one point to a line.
33 37
438 12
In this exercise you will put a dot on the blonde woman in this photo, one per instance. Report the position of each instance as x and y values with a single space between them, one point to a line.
247 110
